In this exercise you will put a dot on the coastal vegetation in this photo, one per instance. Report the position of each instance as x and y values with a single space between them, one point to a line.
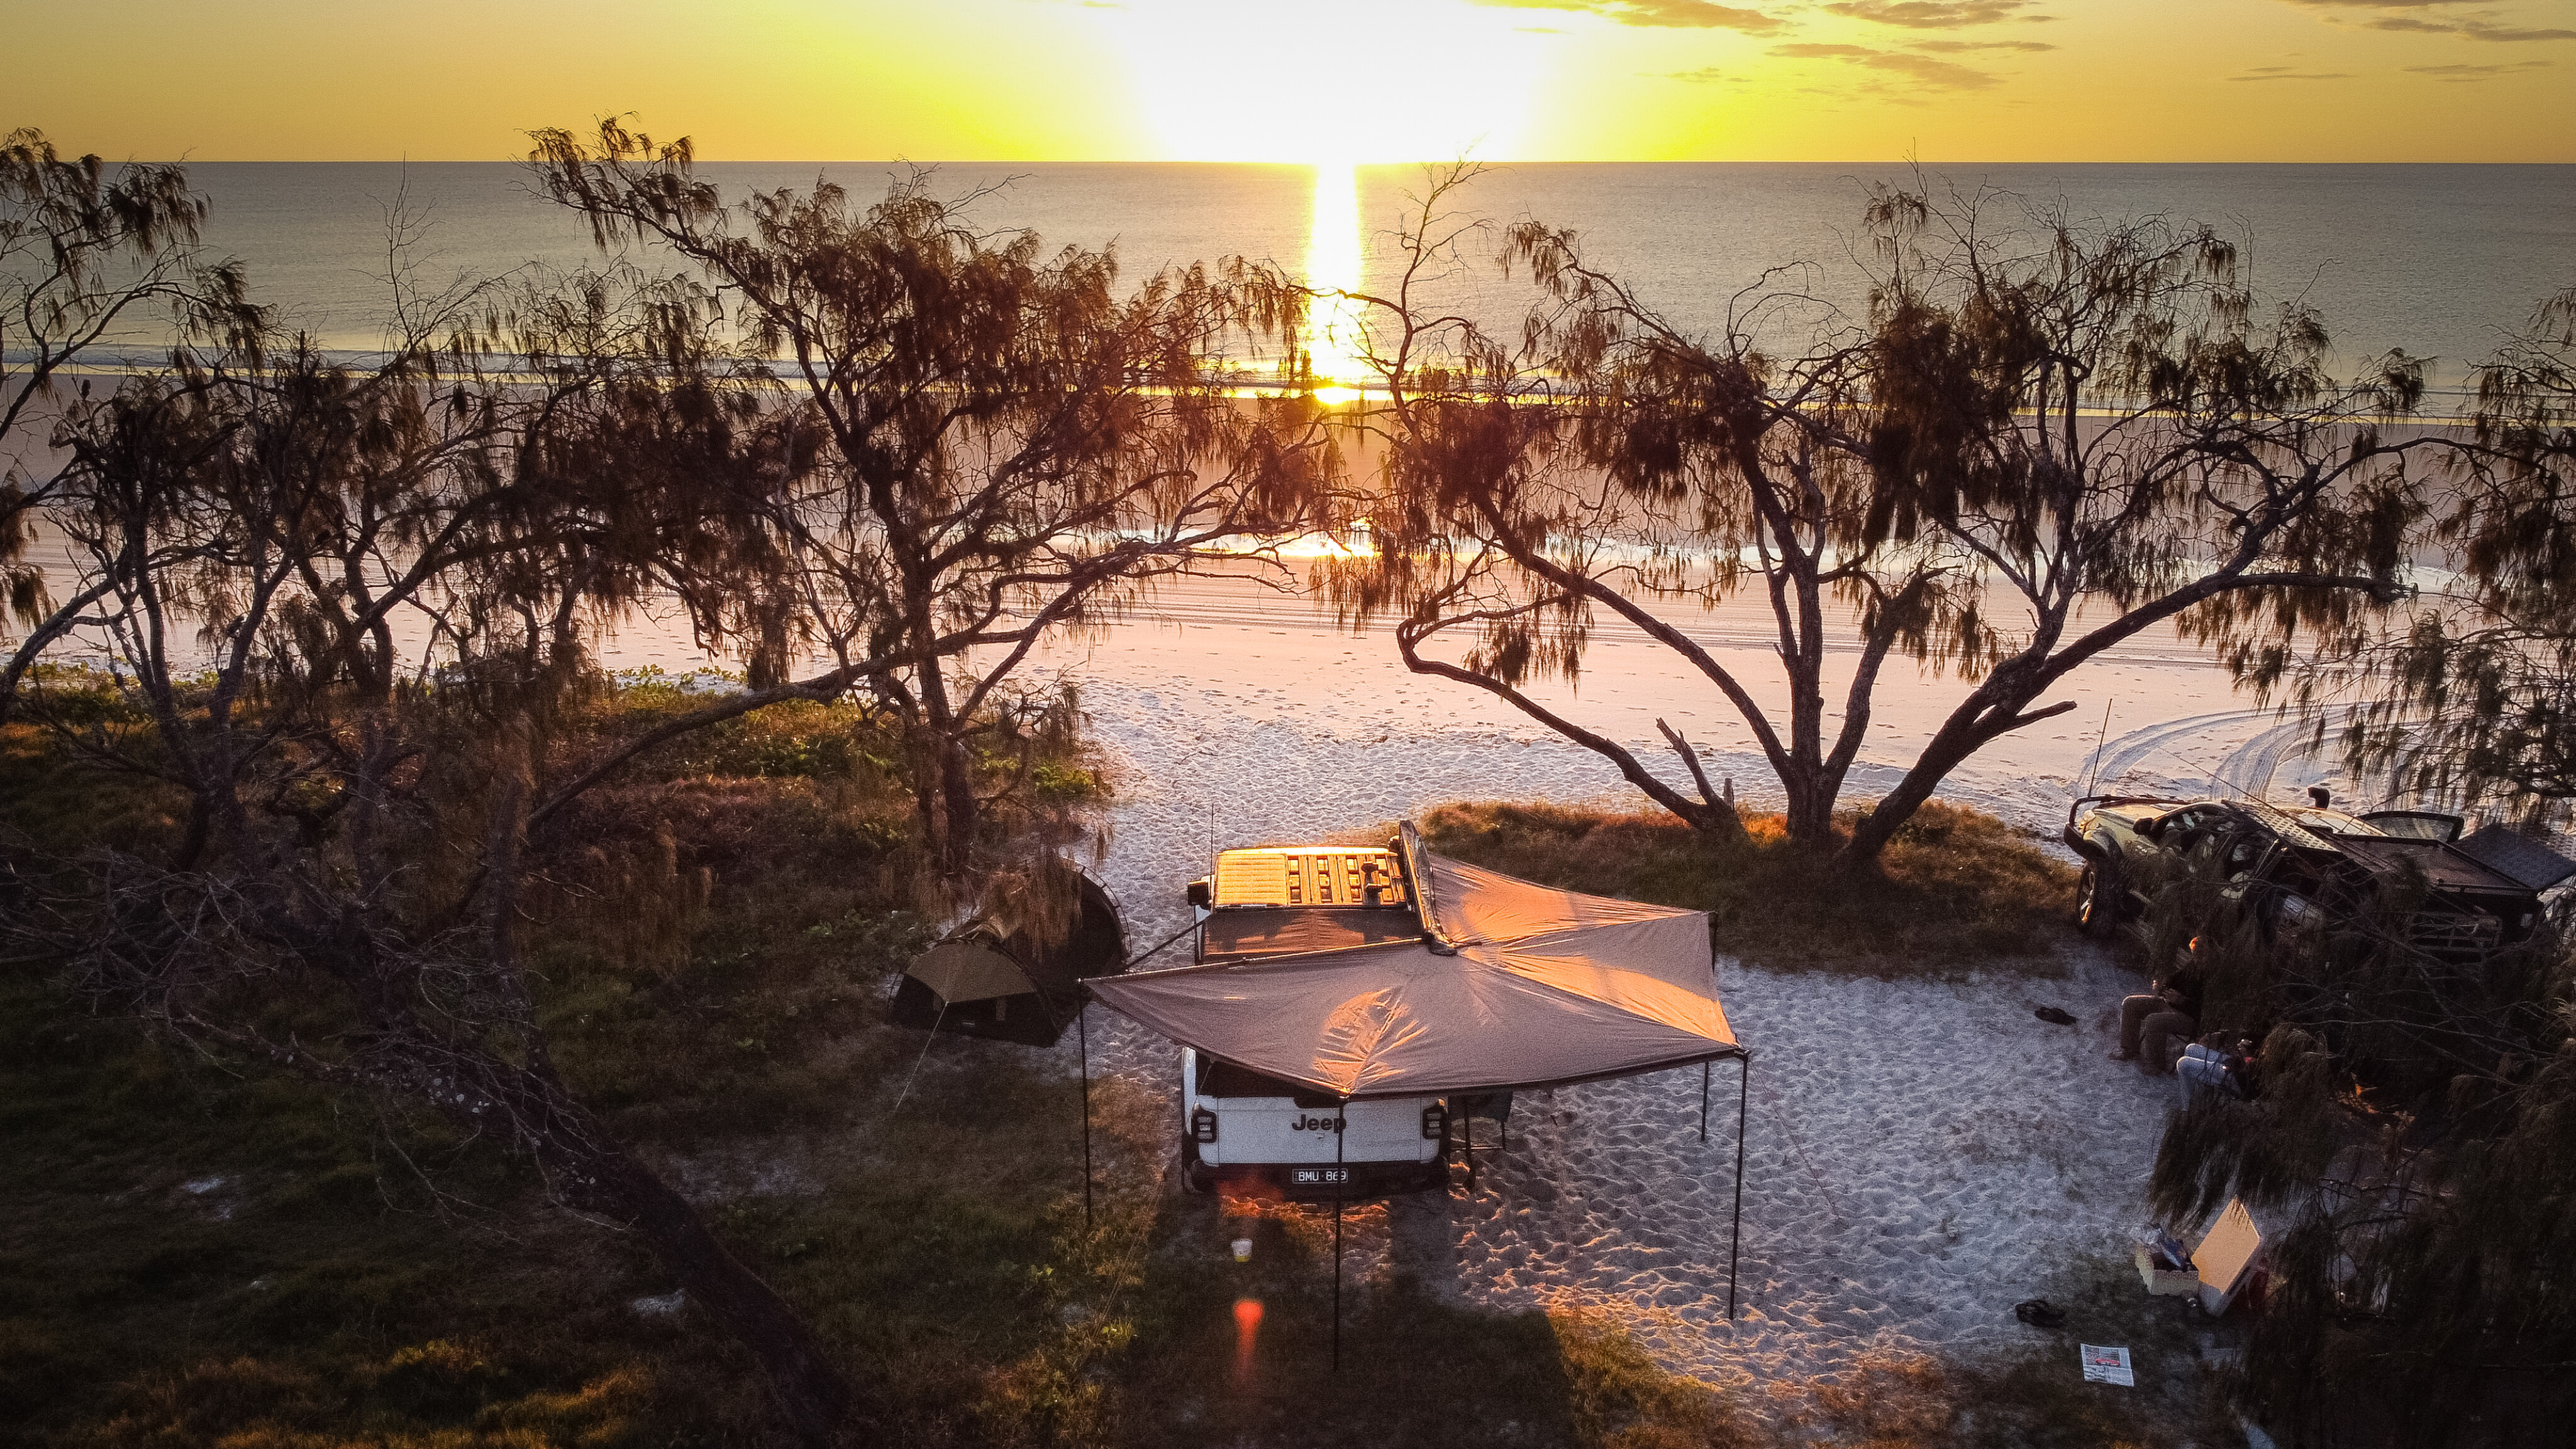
207 1250
2046 436
347 607
2414 1132
1958 890
958 445
417 1034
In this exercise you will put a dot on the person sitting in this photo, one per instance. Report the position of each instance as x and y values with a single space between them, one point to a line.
2155 1020
2219 1069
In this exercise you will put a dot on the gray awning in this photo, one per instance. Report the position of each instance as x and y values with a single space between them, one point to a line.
1545 987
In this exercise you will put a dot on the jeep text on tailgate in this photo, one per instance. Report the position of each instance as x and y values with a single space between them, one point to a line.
1250 1132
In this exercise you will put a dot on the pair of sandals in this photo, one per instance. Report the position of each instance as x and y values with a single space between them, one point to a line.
2039 1313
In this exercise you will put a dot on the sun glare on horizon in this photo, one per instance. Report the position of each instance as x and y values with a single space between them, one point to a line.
1240 83
1329 87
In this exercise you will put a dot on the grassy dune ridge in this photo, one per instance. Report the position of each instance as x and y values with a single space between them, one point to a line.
1957 890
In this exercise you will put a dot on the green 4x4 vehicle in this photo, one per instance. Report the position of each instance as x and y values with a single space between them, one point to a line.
2309 867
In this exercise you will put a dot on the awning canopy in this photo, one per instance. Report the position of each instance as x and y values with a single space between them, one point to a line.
1515 985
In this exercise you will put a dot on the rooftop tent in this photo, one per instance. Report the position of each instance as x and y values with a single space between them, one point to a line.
2517 857
990 979
1509 985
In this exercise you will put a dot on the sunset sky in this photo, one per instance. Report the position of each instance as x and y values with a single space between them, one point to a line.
1315 80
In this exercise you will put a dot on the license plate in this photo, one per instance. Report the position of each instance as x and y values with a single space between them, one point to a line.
1320 1175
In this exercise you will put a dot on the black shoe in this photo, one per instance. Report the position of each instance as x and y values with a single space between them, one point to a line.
2052 1014
2038 1313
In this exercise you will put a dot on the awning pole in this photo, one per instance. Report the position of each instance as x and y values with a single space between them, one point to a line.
1082 1029
1341 1127
1735 1237
1470 1120
1704 1069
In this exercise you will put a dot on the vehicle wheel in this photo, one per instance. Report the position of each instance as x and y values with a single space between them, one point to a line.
1195 1176
2097 901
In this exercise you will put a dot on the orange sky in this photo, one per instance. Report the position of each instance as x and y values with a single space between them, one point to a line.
1315 80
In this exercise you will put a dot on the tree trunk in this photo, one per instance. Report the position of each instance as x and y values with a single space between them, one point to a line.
1810 813
809 1389
1979 719
957 790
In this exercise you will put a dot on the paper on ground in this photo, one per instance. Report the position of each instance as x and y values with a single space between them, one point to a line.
2108 1366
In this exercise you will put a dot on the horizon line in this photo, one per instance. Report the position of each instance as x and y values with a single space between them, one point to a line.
1282 165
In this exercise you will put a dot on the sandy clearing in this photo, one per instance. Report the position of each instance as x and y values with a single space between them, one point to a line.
1920 1156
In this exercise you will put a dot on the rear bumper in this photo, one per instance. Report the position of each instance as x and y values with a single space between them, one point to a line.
1279 1180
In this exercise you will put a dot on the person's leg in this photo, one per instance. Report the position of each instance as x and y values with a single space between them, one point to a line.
2134 1012
2159 1039
2199 1075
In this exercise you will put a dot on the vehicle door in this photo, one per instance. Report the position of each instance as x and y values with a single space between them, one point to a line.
2239 852
2160 850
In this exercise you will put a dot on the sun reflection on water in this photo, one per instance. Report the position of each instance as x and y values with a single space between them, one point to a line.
1334 342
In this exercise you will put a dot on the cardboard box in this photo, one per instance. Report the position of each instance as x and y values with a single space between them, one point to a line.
2171 1282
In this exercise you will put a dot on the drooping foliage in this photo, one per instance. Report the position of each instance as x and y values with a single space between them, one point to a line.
92 261
2468 696
2414 1137
2040 419
350 609
998 444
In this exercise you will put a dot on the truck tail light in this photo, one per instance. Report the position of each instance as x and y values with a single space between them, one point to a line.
1203 1125
1435 1121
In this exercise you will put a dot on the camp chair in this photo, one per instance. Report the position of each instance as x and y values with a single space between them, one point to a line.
2225 1258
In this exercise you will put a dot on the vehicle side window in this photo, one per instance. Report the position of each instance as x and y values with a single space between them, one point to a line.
2183 829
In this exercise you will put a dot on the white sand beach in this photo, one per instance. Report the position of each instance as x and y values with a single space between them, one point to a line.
1920 1155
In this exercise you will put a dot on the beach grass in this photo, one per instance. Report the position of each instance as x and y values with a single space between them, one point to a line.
1958 890
194 1253
198 1255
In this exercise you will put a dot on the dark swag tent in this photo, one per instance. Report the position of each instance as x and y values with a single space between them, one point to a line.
997 978
1510 986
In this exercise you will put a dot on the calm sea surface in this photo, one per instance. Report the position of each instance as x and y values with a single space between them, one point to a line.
2440 260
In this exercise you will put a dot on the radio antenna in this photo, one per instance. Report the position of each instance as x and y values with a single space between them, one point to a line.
2212 774
2098 741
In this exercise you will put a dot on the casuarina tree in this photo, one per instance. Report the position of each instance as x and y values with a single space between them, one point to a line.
267 527
95 262
999 444
2045 438
2467 696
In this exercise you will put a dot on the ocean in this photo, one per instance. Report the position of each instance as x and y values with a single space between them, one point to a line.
2439 260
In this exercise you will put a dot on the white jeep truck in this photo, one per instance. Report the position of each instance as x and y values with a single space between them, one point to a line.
1249 1133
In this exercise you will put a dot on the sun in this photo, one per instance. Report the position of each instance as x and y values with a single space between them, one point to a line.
1329 82
1332 85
